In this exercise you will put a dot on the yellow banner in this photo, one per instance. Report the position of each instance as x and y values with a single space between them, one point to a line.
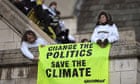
80 63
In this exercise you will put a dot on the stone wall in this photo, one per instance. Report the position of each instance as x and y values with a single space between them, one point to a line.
16 69
138 72
18 75
122 71
8 38
124 63
125 13
124 56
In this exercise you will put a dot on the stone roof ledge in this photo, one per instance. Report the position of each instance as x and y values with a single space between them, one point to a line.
14 57
118 50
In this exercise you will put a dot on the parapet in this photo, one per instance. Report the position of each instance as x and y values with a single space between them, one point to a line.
121 49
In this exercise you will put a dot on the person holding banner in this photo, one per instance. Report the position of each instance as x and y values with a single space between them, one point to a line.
105 31
30 40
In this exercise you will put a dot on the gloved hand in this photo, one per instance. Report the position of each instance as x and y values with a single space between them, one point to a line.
102 44
99 42
105 43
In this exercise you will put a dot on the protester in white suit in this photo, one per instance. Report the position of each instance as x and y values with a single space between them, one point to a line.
105 31
30 40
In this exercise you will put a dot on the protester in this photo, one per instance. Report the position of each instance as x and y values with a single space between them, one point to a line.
20 5
43 16
84 40
53 8
30 40
105 31
65 37
48 18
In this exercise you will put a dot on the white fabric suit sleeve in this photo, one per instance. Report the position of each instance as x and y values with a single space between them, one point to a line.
94 36
70 37
114 36
41 41
25 50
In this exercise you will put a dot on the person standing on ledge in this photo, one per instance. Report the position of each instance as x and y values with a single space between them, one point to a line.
30 40
105 31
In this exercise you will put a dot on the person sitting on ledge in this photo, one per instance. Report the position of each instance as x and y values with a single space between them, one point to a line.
105 31
30 40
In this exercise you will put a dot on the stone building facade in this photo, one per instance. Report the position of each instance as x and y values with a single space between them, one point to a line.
16 69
